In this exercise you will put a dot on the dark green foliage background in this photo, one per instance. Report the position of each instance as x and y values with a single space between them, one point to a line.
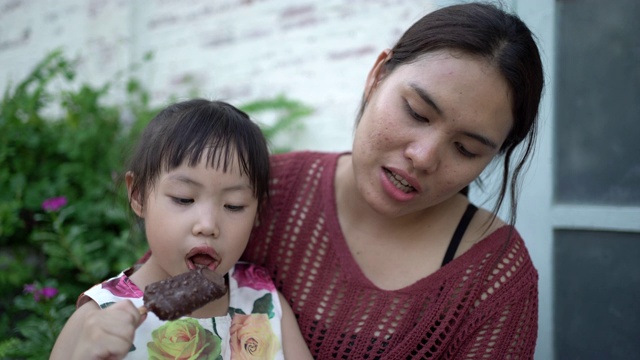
58 138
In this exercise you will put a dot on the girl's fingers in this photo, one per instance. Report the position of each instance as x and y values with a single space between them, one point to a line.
108 333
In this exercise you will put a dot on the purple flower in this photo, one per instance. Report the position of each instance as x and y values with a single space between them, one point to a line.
33 289
54 204
49 292
30 288
46 292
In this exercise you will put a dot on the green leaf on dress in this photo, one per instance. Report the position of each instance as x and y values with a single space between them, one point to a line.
106 305
264 305
233 311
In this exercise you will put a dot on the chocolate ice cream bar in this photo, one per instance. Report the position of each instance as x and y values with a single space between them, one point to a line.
182 294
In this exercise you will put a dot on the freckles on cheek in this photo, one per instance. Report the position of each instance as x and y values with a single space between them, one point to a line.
456 181
453 186
381 140
381 137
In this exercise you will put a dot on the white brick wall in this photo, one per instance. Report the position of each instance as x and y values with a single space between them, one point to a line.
318 52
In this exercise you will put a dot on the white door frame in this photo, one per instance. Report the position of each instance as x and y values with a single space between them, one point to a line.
535 215
539 216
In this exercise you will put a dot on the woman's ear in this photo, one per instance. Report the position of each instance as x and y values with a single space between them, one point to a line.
134 197
376 73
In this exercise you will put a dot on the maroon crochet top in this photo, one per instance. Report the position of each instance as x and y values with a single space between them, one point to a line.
481 305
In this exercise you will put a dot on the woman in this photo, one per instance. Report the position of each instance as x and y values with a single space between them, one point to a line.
378 251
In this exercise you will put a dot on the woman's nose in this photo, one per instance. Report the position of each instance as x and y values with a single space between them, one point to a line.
425 153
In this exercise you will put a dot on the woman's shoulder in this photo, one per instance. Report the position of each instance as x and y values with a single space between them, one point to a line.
491 231
488 238
289 168
482 225
502 250
299 158
498 270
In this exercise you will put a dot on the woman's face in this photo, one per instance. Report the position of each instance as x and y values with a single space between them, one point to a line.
428 129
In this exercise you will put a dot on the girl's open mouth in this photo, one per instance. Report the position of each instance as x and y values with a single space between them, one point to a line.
202 257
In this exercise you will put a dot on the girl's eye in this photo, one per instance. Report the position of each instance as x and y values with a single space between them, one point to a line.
234 208
414 114
464 151
181 201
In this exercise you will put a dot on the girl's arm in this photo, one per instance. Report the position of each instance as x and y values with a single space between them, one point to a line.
92 333
294 346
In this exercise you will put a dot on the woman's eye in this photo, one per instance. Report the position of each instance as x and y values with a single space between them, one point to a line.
182 201
414 114
464 151
234 208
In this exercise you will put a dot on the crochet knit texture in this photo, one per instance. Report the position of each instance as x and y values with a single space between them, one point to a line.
482 305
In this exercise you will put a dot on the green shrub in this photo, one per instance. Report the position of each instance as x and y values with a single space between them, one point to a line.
64 143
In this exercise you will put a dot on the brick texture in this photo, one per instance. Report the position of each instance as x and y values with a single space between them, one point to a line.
318 52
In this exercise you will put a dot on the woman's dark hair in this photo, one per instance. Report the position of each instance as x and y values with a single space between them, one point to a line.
484 30
186 131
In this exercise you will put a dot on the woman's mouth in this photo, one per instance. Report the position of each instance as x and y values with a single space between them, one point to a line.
399 182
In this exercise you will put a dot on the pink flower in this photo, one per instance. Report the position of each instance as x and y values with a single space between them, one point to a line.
253 276
49 292
46 292
30 288
123 287
54 204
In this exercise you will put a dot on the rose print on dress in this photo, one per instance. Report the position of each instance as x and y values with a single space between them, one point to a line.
251 337
122 287
254 277
183 339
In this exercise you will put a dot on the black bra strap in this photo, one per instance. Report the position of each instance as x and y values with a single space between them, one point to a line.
457 235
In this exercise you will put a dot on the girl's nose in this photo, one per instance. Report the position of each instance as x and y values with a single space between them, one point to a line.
206 224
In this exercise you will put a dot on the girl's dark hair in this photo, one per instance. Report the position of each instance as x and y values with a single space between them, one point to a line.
186 131
484 30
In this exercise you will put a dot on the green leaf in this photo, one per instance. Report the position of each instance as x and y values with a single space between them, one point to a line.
264 305
233 311
8 347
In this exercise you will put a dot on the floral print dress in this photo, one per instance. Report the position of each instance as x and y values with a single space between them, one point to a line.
250 330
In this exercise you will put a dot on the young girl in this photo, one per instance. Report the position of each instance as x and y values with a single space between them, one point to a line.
197 180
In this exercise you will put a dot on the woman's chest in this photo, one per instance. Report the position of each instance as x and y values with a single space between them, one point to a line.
394 262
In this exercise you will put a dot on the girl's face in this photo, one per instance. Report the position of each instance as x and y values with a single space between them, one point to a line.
197 217
428 129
